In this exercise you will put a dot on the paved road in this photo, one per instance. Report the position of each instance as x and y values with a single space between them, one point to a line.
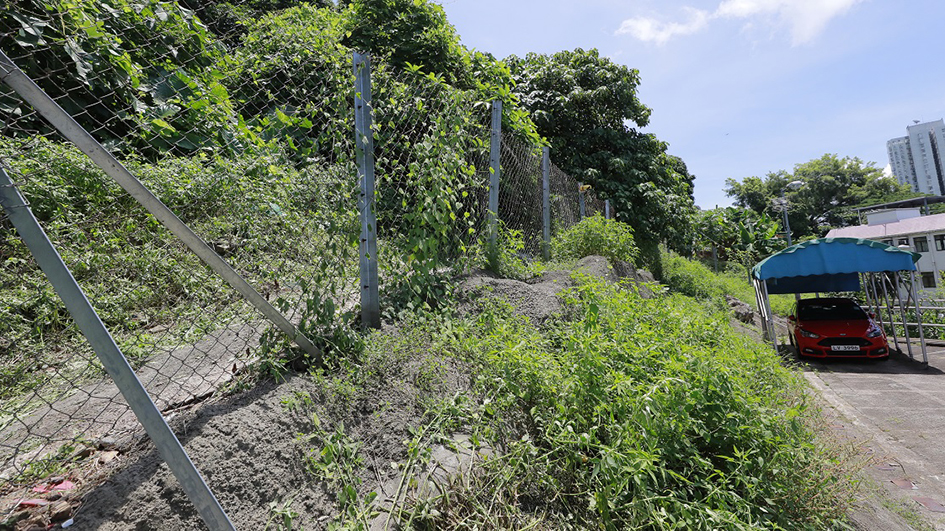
896 410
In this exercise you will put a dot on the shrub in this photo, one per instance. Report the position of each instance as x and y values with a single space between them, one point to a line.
690 278
639 414
596 235
697 280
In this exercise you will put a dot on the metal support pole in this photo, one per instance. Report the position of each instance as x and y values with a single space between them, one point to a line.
787 226
495 152
581 201
761 308
871 301
715 258
902 314
364 149
889 311
546 202
606 208
767 310
866 290
918 319
72 131
110 355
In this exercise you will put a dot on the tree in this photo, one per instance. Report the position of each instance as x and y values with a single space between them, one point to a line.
408 32
228 20
739 234
586 106
142 74
832 187
415 36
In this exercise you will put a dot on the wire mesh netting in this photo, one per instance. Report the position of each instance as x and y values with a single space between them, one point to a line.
246 133
431 163
520 203
253 150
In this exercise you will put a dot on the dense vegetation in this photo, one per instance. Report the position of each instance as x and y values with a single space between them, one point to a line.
623 412
582 103
253 103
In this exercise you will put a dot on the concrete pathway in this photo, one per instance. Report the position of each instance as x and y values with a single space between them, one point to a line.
894 410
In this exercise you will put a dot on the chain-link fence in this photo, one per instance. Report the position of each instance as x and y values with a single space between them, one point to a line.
246 135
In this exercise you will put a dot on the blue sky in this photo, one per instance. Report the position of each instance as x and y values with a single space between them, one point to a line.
746 87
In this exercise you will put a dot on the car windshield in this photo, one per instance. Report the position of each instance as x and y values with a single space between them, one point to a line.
830 311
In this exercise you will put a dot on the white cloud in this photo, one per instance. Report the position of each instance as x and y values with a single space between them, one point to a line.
652 30
805 18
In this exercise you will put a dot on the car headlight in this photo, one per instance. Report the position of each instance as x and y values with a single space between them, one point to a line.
875 332
805 333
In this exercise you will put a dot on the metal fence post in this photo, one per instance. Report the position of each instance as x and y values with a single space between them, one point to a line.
918 317
72 131
581 201
606 208
110 355
546 202
364 142
495 148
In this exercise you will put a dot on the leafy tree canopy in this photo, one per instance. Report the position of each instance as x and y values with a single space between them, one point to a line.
408 32
415 35
832 187
139 73
739 234
228 19
586 106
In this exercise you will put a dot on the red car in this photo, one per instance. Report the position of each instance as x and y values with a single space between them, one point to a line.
835 328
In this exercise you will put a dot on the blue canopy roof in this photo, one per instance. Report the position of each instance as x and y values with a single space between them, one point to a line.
830 264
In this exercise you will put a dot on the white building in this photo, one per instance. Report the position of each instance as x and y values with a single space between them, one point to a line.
906 226
916 159
900 161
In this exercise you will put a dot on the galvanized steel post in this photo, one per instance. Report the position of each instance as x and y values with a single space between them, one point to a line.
902 314
581 200
546 203
918 318
495 152
889 311
364 146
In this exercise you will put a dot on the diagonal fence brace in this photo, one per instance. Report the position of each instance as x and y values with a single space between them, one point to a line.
110 355
72 131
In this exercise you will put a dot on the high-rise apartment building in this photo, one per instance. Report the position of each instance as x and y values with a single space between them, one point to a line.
916 159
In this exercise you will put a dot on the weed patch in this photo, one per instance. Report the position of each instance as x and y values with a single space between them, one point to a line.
697 280
638 414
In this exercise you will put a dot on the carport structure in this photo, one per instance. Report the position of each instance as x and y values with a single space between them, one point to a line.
885 274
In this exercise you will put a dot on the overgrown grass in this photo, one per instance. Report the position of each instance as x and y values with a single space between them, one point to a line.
636 414
695 279
267 219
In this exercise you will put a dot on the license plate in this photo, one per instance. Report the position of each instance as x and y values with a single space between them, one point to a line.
845 347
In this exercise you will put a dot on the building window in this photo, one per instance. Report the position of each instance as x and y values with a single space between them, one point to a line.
921 244
903 241
928 280
889 242
940 242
